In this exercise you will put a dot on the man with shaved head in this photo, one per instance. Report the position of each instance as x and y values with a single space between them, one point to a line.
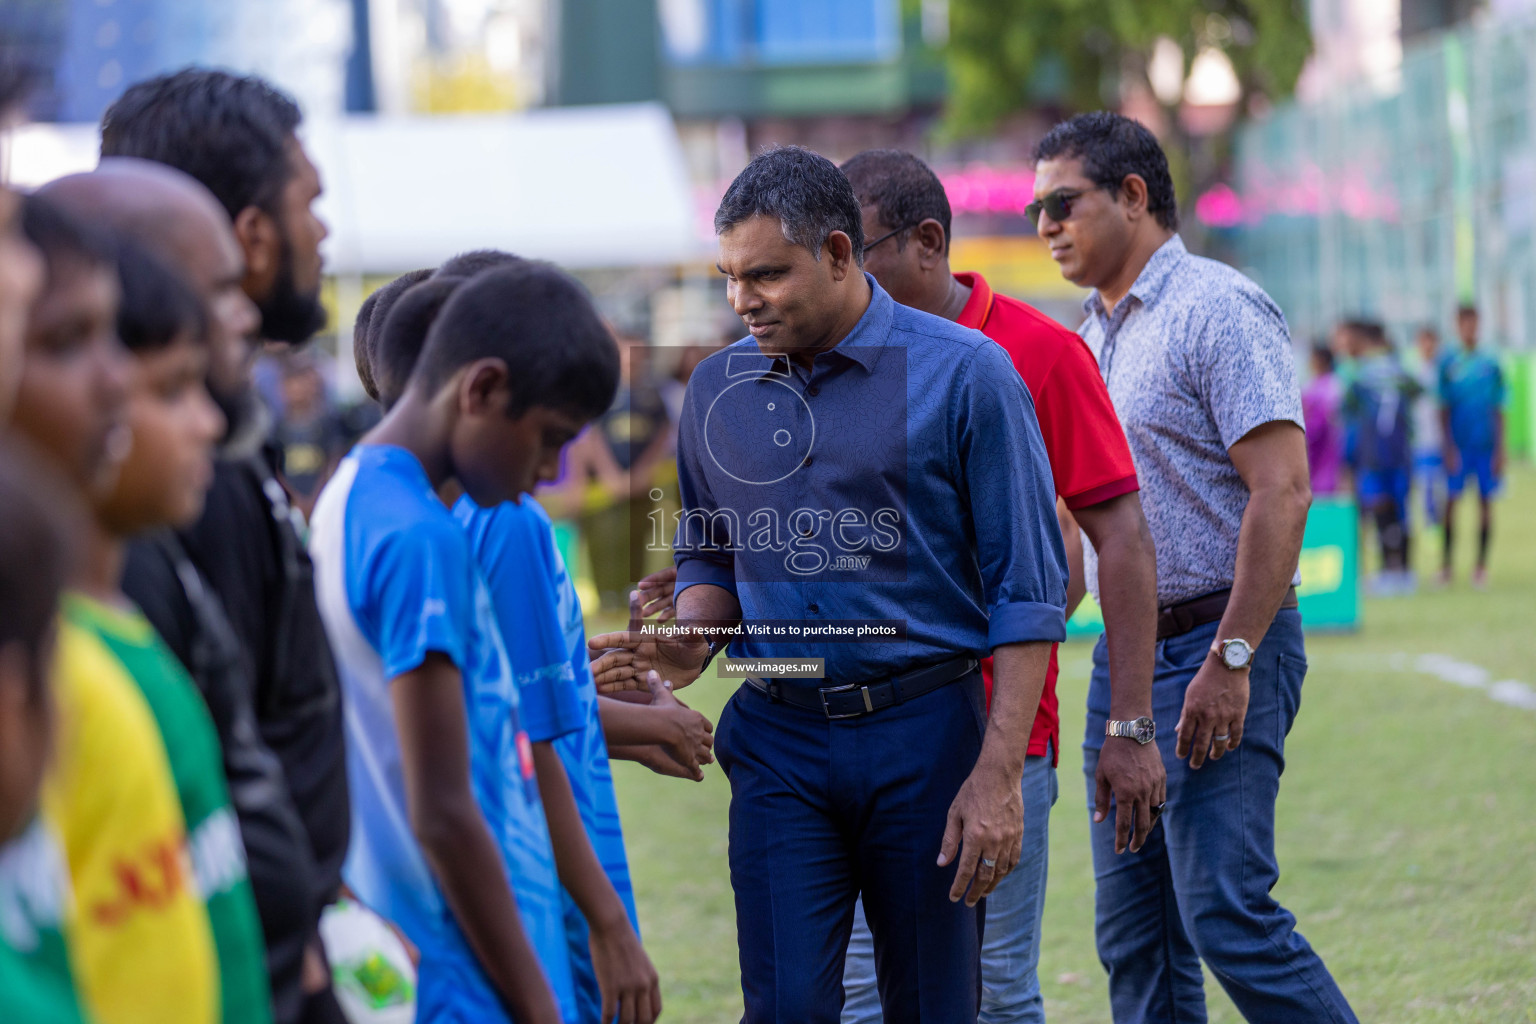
178 219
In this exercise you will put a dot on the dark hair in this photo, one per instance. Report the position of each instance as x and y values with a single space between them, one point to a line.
157 305
1370 331
230 132
1465 309
404 334
468 264
36 552
903 188
373 310
803 191
1323 354
1112 146
361 357
543 324
63 239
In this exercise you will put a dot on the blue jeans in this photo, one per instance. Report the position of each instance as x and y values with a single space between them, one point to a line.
1010 949
1200 887
824 810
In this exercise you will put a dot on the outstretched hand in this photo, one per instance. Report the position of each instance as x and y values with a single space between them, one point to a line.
692 736
620 660
654 597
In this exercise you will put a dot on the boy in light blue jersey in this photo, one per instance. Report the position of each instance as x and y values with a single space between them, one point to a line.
529 584
446 799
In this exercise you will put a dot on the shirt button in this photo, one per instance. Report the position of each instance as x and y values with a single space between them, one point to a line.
812 607
813 390
807 461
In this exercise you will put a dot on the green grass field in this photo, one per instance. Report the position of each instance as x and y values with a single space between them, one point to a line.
1407 819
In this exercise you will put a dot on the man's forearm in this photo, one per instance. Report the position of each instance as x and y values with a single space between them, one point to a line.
1072 542
1268 548
708 604
1128 596
1018 678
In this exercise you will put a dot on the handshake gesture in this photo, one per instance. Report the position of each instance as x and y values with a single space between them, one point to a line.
646 722
620 660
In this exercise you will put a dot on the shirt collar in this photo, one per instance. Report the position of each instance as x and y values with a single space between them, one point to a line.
1149 283
873 331
978 308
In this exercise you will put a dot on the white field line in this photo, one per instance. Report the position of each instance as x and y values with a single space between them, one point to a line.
1473 677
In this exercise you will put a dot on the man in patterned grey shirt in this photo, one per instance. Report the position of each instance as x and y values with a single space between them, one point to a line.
1199 366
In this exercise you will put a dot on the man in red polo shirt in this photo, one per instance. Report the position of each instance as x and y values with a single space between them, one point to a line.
906 231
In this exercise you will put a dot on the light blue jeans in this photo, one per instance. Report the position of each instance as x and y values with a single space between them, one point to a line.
1010 949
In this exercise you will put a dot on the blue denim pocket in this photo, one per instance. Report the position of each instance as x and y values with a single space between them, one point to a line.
1187 652
1292 670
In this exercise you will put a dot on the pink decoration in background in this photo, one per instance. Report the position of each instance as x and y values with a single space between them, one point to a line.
982 189
1219 207
1356 192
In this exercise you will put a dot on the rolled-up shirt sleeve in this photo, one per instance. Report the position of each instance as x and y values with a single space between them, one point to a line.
701 552
1007 477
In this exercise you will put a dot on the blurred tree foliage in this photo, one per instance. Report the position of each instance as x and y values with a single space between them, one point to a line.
1005 55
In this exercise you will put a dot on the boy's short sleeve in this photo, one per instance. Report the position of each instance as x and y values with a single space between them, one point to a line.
508 547
419 597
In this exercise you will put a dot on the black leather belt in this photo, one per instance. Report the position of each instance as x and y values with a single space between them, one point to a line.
854 699
1178 619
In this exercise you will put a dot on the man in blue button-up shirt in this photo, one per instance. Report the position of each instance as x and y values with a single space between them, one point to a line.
860 463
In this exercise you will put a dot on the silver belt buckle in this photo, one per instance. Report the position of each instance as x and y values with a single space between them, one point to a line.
827 709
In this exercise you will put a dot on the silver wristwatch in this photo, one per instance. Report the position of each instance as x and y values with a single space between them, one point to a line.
1142 730
1234 654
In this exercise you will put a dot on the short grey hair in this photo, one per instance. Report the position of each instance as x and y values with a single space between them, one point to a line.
804 191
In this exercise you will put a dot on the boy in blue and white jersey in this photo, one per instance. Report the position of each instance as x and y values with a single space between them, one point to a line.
529 584
446 803
514 546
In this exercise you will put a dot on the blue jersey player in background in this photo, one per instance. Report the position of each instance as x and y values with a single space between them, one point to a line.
1472 410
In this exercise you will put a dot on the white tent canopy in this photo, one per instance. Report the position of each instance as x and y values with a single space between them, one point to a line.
583 186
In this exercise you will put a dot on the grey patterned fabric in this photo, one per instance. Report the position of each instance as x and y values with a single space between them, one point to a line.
1195 357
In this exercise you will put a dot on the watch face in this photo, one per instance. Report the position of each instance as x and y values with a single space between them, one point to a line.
1236 654
1146 729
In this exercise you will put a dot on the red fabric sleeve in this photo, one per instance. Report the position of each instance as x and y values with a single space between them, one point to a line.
1089 455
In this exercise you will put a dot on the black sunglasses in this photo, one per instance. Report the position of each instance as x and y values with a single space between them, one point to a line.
1058 204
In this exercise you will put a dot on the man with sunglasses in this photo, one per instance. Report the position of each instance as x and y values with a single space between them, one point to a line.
907 217
1199 366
